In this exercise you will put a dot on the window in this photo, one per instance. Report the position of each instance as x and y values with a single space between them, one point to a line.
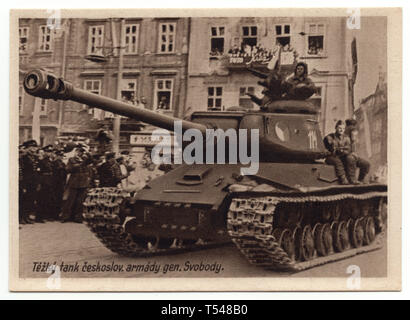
129 90
244 100
163 94
94 86
95 40
167 37
315 39
44 39
21 100
283 34
215 98
217 41
131 38
43 107
250 35
23 36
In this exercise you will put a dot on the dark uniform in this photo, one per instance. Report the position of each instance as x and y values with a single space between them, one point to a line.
299 87
29 182
340 148
110 172
45 195
59 178
355 161
77 185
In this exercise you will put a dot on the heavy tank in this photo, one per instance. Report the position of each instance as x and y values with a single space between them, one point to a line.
291 215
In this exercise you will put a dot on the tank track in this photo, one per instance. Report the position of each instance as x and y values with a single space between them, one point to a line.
102 214
251 222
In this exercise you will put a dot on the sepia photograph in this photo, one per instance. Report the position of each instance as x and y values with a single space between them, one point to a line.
205 150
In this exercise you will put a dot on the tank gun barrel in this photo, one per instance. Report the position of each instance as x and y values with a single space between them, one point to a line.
47 86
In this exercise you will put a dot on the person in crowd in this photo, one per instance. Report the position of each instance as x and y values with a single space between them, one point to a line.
110 172
45 195
163 105
59 182
104 139
77 185
28 180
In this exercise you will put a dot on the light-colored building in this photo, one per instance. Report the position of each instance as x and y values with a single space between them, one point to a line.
218 79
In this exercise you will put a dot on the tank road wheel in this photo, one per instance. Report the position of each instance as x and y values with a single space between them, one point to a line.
369 230
285 240
340 236
356 232
323 238
326 213
296 236
307 244
336 212
159 243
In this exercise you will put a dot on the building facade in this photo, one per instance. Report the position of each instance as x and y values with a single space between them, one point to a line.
221 49
371 117
87 52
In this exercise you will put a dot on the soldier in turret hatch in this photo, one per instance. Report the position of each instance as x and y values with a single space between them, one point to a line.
299 86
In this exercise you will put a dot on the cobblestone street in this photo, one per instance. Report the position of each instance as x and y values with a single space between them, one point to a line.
73 244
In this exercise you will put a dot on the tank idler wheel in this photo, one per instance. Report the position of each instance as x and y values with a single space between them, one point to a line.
307 244
323 238
356 232
285 240
369 230
340 236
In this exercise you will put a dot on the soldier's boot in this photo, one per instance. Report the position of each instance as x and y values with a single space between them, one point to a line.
343 180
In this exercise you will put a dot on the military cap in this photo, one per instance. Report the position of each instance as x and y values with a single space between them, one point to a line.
109 155
48 148
60 152
30 143
340 122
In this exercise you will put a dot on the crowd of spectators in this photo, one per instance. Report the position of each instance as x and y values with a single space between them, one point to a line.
54 180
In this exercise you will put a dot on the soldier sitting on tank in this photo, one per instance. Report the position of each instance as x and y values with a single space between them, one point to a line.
355 161
299 86
339 145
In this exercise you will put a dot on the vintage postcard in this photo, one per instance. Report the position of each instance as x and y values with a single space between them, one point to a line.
205 150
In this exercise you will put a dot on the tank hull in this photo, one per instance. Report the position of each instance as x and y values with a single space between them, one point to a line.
286 217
